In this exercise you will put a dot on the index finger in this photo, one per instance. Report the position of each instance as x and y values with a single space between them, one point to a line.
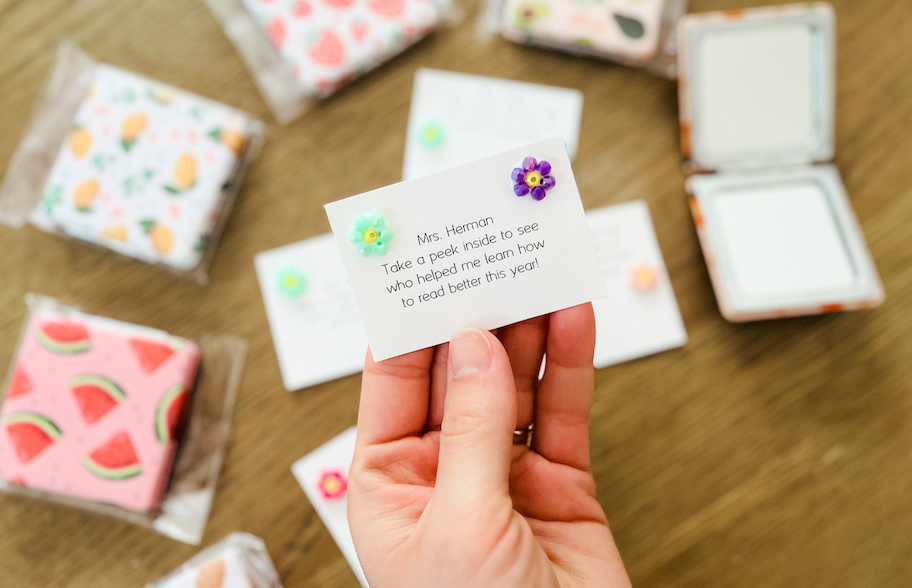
394 397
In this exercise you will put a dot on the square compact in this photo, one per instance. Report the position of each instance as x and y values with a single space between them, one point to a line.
757 102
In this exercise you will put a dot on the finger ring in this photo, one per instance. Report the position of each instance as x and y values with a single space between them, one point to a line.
523 436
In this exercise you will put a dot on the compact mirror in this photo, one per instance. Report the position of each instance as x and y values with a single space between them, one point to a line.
760 88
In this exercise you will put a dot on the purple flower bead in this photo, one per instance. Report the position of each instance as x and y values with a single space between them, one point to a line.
533 177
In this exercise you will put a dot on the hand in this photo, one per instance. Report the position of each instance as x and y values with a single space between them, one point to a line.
439 494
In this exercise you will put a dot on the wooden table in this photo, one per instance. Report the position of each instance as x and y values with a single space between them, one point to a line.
768 454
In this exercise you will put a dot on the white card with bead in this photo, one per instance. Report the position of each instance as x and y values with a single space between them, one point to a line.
483 245
312 314
323 475
456 118
640 315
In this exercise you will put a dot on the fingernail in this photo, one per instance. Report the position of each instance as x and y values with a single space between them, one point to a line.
470 353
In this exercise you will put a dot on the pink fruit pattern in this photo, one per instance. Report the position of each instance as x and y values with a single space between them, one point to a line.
388 8
329 43
82 424
328 50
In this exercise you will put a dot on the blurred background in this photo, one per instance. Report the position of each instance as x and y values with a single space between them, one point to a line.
768 454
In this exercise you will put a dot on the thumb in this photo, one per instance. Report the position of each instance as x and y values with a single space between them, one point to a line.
479 415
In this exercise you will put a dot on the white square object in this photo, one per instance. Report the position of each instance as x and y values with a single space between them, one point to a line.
640 315
317 331
456 118
781 243
327 462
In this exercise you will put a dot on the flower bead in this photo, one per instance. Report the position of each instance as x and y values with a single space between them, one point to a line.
371 236
431 134
534 177
644 278
292 282
332 484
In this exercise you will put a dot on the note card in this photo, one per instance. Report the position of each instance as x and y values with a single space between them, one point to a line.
312 313
323 475
483 245
456 118
640 315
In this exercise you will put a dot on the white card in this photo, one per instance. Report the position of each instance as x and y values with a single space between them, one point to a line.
330 459
315 325
640 315
457 118
458 249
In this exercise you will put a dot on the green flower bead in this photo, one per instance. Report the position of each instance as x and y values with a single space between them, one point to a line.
371 236
431 134
292 282
362 223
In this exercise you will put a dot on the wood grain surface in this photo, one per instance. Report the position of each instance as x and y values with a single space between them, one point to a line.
768 454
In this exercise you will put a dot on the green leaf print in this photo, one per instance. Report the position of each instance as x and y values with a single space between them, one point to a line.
51 198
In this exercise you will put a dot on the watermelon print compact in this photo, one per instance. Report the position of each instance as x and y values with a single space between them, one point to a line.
94 409
238 561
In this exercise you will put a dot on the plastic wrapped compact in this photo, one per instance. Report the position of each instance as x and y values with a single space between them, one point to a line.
117 418
130 164
301 51
239 560
639 33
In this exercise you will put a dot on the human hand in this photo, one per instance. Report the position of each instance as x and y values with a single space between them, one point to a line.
440 495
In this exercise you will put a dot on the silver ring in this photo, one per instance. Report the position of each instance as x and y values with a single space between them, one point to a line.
523 436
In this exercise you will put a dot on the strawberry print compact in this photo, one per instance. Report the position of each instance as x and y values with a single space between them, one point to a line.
304 50
94 409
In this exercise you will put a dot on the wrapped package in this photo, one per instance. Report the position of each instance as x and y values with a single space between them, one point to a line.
638 33
129 164
301 51
240 560
118 418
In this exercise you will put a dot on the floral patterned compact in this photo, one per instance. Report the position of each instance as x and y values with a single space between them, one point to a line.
129 164
627 31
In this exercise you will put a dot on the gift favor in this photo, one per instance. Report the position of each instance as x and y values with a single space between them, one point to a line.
240 560
95 413
130 164
757 100
638 33
300 51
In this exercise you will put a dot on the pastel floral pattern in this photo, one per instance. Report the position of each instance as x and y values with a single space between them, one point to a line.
371 236
534 177
329 43
145 170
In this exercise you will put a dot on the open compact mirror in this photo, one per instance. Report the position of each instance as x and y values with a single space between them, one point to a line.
757 104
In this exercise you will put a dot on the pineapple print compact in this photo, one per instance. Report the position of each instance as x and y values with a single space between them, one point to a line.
240 560
142 168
